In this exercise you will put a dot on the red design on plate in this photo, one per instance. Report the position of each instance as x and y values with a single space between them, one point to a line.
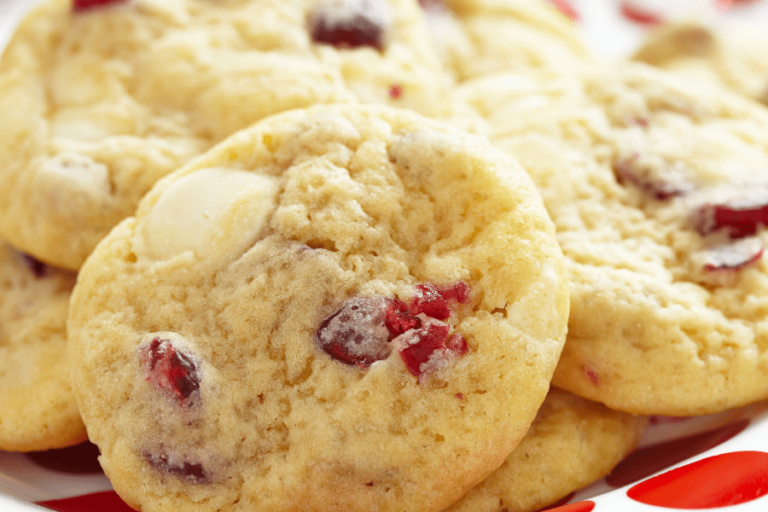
566 9
79 459
582 506
638 14
719 481
651 459
96 502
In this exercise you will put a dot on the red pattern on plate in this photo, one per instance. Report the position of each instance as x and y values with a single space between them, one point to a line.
719 481
107 501
582 506
638 14
80 459
651 459
566 9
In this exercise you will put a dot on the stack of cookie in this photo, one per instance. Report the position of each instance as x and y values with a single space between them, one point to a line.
300 288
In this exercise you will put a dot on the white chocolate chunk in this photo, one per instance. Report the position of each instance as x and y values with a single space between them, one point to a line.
207 212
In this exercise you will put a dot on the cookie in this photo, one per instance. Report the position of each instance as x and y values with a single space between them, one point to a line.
38 408
343 308
572 443
98 100
732 56
657 190
476 37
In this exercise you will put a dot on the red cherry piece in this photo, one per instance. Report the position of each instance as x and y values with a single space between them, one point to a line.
82 5
722 480
170 370
733 256
429 301
741 216
566 9
395 92
358 333
582 506
433 301
398 319
425 346
639 15
349 24
194 472
671 184
37 267
590 374
95 502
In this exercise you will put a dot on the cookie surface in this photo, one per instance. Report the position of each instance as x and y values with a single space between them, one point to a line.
97 103
657 192
336 309
733 56
38 408
571 443
475 37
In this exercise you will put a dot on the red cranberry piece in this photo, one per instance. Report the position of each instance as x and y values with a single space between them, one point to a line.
741 217
433 301
82 5
37 267
194 472
426 349
357 334
733 256
350 23
671 182
170 370
419 346
398 319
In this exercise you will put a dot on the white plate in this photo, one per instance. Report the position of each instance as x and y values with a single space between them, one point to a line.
724 457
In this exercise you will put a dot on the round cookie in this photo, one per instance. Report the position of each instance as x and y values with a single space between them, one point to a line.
571 443
38 408
343 308
476 37
732 56
98 100
658 193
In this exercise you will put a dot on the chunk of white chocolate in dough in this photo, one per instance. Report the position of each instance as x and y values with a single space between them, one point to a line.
196 211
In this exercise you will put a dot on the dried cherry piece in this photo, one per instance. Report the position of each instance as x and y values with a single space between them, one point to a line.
82 5
357 334
741 217
672 182
170 370
433 301
425 349
350 23
398 319
194 472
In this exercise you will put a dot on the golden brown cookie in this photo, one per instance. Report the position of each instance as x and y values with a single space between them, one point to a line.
659 194
344 308
38 408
